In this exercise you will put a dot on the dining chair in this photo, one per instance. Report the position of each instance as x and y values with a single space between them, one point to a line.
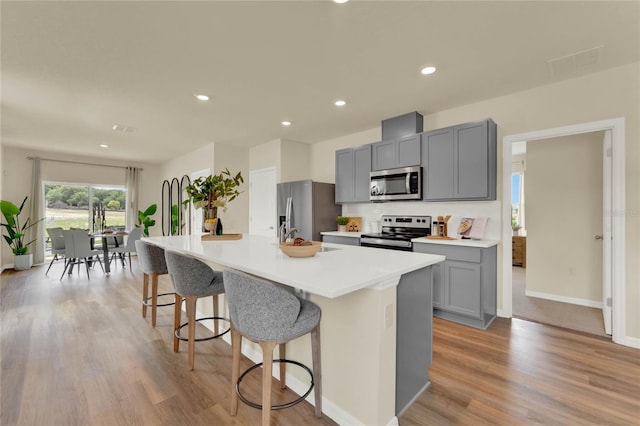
129 246
78 250
57 245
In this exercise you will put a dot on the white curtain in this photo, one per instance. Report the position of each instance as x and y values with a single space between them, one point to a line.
132 182
36 212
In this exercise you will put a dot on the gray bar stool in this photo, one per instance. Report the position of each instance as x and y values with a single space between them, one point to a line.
152 262
269 315
192 279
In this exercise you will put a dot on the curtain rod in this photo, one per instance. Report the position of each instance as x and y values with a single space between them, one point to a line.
79 162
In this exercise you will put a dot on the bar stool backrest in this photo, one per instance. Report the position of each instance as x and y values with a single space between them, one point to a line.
259 309
151 258
192 277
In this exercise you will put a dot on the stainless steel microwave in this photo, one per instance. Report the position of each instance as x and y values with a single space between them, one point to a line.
396 184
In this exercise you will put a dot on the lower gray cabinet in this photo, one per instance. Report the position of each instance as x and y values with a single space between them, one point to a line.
336 239
465 284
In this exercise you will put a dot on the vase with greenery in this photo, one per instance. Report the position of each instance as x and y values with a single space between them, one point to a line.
16 233
342 223
213 192
145 220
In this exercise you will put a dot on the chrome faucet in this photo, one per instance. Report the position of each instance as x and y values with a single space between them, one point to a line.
284 233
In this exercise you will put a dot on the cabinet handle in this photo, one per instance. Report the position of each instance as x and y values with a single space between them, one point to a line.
598 237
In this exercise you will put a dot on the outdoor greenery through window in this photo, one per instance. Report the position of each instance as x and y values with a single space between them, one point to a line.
75 206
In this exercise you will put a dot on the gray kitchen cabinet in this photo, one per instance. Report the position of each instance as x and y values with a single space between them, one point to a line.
353 166
459 162
336 239
397 152
465 284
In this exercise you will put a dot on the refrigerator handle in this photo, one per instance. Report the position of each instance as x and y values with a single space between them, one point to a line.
288 214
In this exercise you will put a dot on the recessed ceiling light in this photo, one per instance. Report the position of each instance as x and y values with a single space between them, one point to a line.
428 70
340 1
286 123
104 145
340 102
201 97
114 127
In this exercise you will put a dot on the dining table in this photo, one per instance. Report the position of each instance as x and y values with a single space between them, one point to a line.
105 246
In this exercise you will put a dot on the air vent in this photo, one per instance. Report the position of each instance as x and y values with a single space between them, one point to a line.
570 64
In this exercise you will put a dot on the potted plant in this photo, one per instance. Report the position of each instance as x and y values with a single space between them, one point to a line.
16 233
213 192
342 223
145 220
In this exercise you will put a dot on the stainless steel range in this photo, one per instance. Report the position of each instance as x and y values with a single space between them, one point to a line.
397 232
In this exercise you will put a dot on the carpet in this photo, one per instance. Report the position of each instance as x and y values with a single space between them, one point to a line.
566 315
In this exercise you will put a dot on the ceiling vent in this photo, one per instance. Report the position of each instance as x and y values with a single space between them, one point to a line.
570 64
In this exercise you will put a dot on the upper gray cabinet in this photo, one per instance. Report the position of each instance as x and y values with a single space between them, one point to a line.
353 166
459 162
397 152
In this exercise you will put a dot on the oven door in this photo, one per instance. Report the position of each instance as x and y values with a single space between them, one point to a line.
386 243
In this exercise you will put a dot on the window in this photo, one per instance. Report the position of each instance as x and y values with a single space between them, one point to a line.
517 200
84 206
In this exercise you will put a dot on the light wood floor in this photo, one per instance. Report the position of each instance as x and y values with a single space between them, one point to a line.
78 352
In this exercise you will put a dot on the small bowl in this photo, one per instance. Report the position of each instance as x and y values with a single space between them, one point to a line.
300 251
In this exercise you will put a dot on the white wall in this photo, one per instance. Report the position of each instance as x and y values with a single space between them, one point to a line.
295 161
265 156
563 190
236 218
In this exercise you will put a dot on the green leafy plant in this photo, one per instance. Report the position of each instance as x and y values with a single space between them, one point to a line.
145 220
16 233
342 220
214 191
174 219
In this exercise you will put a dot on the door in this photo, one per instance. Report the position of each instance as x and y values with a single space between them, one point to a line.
606 233
262 202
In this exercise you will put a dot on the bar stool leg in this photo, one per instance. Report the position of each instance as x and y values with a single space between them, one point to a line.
154 298
145 294
317 372
191 320
177 319
236 348
215 314
267 370
283 366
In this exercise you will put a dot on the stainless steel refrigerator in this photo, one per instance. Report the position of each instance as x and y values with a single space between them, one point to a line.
309 206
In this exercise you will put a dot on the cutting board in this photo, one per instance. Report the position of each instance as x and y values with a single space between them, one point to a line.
355 224
209 237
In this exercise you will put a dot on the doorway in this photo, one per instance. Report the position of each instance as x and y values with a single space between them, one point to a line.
262 202
614 223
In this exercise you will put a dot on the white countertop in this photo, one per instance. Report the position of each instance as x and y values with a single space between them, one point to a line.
342 234
329 274
458 242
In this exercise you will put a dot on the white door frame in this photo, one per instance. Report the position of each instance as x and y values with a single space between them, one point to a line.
617 208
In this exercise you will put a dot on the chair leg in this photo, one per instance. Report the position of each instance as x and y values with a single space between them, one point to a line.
236 348
177 319
215 314
100 262
145 294
283 366
317 369
191 320
55 257
86 264
154 297
267 369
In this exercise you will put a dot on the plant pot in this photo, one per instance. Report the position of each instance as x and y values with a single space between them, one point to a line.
22 262
342 228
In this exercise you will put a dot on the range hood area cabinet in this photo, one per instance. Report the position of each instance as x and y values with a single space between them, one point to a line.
459 162
353 166
395 153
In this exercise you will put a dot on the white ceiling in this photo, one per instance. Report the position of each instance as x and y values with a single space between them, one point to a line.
71 70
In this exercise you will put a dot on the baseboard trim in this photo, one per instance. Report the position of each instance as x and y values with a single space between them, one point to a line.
564 299
633 342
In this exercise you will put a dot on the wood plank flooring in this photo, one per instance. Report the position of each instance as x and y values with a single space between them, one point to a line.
78 352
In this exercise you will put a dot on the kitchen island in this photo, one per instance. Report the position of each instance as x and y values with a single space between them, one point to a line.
376 318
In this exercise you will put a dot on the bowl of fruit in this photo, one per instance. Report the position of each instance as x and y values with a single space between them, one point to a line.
300 248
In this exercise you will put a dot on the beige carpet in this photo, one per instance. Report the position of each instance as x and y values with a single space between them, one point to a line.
574 317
